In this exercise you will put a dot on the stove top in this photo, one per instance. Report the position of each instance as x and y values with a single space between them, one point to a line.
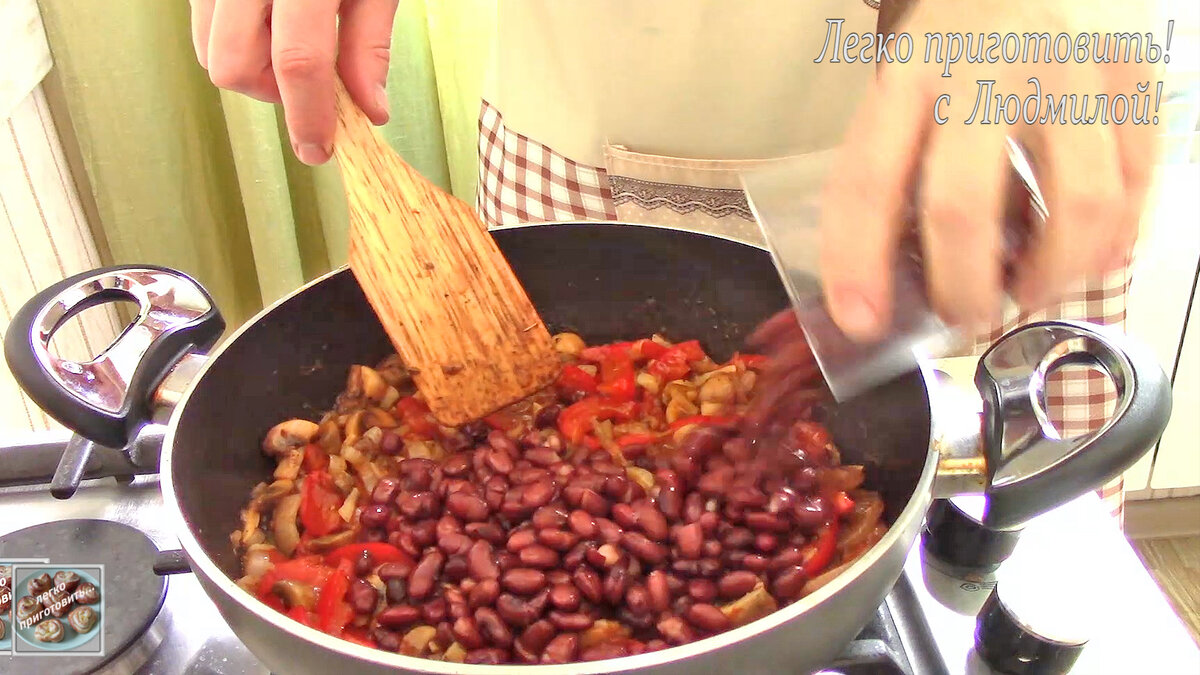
925 626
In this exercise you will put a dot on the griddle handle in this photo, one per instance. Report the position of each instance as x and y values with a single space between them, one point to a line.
171 562
71 467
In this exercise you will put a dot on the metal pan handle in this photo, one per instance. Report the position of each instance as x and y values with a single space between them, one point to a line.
1031 468
108 398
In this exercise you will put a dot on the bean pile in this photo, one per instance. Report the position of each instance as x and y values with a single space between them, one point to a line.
521 546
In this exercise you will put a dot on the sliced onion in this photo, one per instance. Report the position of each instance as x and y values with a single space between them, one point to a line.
283 524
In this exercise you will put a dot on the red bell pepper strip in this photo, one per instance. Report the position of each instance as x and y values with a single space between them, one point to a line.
333 611
358 635
600 352
842 503
637 439
574 378
674 363
821 552
273 601
591 442
647 349
302 615
691 349
638 350
703 420
575 421
319 503
306 570
415 414
381 552
501 420
315 459
617 377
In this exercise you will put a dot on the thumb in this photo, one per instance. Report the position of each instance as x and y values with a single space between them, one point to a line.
364 53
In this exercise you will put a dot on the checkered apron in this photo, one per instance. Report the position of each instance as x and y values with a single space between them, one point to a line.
524 181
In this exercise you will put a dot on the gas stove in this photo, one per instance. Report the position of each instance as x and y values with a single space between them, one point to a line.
926 625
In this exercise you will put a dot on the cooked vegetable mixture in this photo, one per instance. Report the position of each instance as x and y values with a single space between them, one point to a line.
616 512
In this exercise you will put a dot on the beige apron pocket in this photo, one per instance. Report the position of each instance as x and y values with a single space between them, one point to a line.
702 195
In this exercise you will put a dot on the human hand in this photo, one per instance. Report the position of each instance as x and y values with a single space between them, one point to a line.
286 51
1094 177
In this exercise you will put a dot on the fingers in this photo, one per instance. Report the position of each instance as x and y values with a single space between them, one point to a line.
1083 190
202 13
239 48
962 187
303 48
1137 154
365 38
863 202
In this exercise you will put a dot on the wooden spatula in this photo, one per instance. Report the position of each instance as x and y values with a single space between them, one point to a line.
444 293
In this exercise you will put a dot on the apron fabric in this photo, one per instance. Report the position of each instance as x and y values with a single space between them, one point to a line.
647 112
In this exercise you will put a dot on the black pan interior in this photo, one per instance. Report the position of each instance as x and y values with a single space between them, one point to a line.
604 281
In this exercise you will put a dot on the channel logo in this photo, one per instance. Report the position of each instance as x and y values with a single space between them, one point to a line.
51 609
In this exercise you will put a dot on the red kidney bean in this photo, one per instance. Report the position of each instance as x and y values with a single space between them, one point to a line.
405 542
447 524
456 464
375 515
506 561
681 604
609 531
391 443
641 546
549 517
537 636
538 493
363 564
456 568
709 567
565 597
582 523
811 512
470 508
658 591
538 556
570 621
385 490
693 507
736 584
575 557
424 533
624 516
709 520
423 577
559 540
523 580
362 596
484 593
515 611
458 609
766 542
542 457
528 475
755 563
690 539
480 563
781 500
386 639
562 649
500 441
702 590
616 582
733 513
589 584
418 505
454 544
499 461
651 521
547 416
489 532
715 482
375 535
493 628
519 539
539 601
615 486
637 599
435 610
467 633
676 585
490 656
788 557
789 582
762 521
712 549
738 450
708 618
605 650
398 616
593 503
394 570
670 502
675 630
737 537
558 576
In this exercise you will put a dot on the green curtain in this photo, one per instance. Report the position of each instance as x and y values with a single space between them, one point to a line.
183 175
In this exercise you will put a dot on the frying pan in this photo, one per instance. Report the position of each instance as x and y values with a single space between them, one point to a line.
606 281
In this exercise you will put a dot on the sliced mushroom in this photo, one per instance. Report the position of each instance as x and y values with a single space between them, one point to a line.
250 521
295 594
288 435
288 468
390 398
332 541
568 343
678 408
283 524
392 370
329 437
348 506
603 631
416 641
377 417
679 389
720 388
751 606
366 384
455 653
353 428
